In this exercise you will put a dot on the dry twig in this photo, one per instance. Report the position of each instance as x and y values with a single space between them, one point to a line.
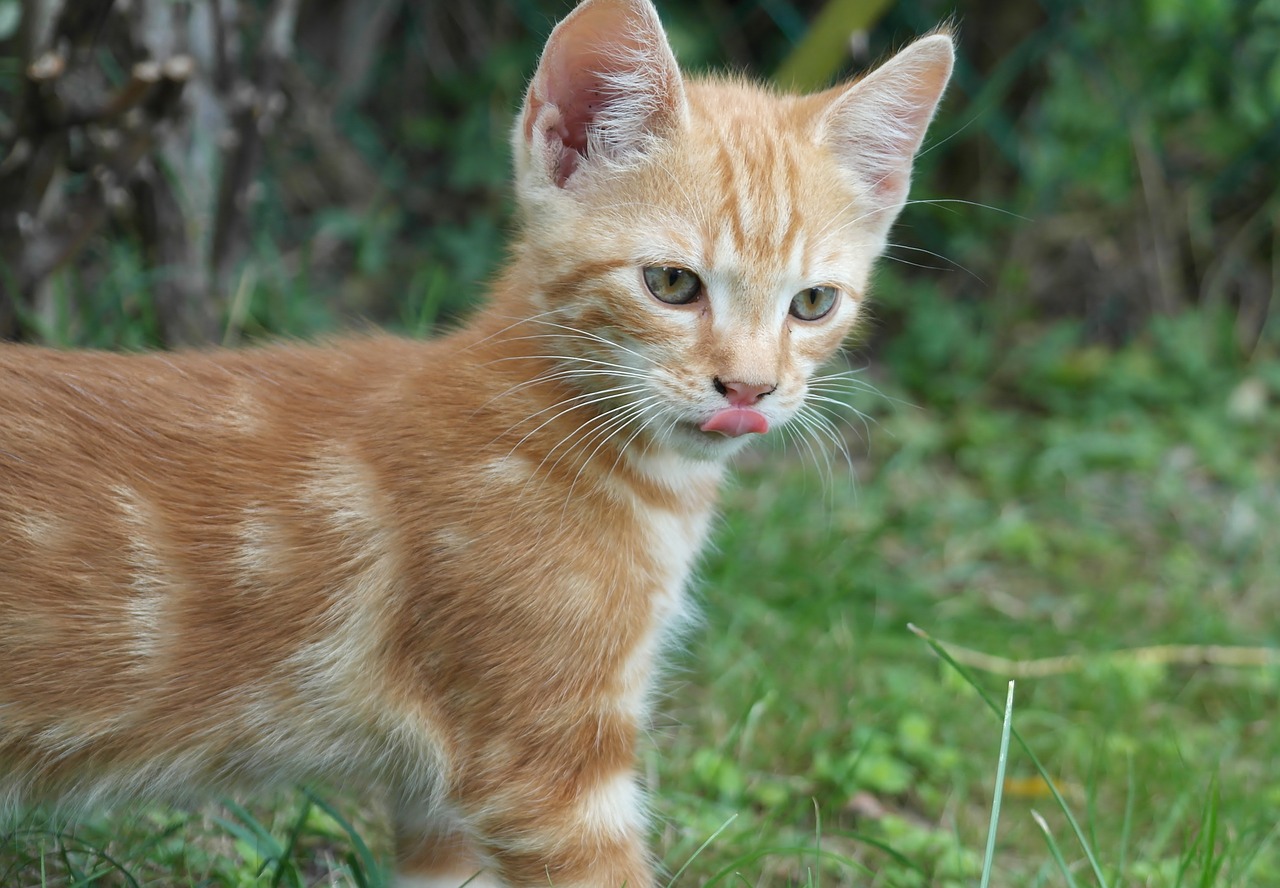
1153 655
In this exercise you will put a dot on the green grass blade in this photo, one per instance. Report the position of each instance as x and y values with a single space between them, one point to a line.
368 862
65 854
1054 850
1212 860
817 833
1162 836
1242 869
1035 760
250 828
711 838
884 847
285 864
254 834
110 864
989 858
105 863
1126 825
799 852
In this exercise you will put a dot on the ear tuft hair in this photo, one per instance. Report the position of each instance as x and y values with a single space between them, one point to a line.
606 87
877 124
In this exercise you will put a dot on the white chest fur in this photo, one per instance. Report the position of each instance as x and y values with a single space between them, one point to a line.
674 538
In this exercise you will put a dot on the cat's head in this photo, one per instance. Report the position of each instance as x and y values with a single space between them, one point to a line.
703 246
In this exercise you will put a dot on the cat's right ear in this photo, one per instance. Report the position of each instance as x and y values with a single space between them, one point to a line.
606 88
876 125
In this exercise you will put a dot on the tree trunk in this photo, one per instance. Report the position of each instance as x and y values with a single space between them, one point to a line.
172 154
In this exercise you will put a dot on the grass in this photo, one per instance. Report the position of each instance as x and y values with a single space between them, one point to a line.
1025 533
1059 500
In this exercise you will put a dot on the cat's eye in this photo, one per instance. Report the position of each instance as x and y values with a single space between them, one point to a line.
672 285
814 303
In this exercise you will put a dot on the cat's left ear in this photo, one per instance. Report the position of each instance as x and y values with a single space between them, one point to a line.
606 87
876 125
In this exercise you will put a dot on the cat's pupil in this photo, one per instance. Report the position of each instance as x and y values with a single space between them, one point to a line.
672 284
813 303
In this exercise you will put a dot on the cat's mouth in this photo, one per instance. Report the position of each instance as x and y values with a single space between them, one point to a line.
734 422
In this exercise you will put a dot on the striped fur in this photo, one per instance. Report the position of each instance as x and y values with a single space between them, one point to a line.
447 569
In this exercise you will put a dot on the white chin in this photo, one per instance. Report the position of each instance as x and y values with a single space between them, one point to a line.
688 439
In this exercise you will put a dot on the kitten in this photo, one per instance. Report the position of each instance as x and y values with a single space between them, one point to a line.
447 568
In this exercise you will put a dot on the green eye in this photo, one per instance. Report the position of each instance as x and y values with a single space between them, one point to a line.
814 303
674 286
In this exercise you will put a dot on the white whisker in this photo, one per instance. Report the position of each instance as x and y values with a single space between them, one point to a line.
559 406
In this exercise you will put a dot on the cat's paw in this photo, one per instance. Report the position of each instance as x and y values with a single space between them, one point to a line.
474 880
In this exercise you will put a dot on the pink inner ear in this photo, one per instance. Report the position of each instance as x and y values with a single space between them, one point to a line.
579 93
574 92
579 96
607 56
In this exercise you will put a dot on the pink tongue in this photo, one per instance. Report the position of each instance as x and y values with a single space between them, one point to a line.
735 421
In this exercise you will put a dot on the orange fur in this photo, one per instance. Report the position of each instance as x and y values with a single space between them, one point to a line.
447 568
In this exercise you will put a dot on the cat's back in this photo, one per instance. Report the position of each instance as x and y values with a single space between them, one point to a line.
81 418
186 539
102 454
239 388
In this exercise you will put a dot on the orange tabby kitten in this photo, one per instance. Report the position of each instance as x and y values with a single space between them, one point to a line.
447 568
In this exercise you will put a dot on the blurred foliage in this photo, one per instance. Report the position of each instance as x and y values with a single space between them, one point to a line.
826 43
1139 148
1102 166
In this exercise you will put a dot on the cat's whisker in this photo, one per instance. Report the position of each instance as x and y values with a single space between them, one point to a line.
661 438
591 399
846 373
515 322
792 431
620 368
843 414
879 207
841 408
824 429
950 263
596 337
941 201
622 451
847 387
574 333
583 399
849 381
606 424
588 399
842 393
604 436
558 375
845 393
604 419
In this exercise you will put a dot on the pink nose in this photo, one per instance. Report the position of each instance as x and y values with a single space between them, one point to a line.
742 394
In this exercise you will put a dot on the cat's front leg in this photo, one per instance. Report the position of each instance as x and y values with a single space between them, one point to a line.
543 823
436 854
594 839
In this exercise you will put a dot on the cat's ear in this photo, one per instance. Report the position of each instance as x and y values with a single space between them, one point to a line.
606 87
876 125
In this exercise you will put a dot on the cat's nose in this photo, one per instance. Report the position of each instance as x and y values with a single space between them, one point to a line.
742 394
